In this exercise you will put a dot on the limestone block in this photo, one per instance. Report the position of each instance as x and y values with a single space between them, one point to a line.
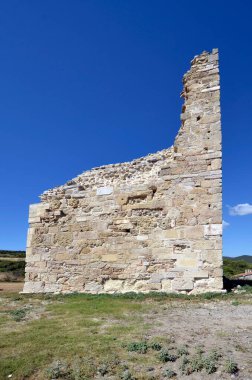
199 274
81 218
38 209
170 234
214 88
193 232
186 262
166 285
63 239
33 287
153 287
216 164
138 286
36 219
122 199
182 284
30 233
213 229
142 237
62 256
51 288
106 190
112 286
109 257
93 287
156 278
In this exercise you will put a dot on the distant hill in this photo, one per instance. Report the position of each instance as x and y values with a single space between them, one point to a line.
246 258
13 254
233 266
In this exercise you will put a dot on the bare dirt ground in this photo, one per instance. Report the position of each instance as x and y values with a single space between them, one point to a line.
224 326
11 286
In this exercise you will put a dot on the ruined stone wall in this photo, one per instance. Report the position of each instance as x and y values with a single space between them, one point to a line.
153 224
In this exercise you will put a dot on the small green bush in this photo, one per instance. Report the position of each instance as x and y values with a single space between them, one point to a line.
169 373
215 355
197 363
155 346
103 369
58 370
184 366
231 367
18 314
210 365
140 347
127 375
165 356
182 351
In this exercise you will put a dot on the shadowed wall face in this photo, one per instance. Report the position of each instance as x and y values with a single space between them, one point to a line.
153 224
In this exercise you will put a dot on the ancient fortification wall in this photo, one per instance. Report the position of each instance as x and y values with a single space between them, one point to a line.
153 224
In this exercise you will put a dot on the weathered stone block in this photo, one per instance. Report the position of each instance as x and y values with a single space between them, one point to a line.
106 190
112 286
109 257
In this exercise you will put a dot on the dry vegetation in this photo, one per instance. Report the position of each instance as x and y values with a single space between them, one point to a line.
125 337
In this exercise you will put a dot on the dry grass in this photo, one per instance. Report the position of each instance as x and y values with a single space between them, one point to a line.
87 337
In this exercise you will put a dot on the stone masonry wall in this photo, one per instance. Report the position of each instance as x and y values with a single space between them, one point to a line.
153 224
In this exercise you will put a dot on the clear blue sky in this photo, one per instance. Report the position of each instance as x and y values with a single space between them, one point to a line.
92 82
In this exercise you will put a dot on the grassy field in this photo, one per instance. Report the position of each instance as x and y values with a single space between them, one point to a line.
121 337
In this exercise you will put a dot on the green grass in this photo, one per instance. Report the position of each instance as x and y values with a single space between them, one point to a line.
72 327
78 335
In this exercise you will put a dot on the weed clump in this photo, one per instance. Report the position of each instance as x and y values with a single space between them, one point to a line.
210 365
197 363
58 370
231 367
169 373
182 351
126 375
103 369
165 356
18 314
184 366
140 347
155 346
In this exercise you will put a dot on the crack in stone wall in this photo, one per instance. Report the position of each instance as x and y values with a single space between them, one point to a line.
152 224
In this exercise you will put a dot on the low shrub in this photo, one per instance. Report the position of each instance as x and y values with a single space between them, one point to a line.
182 351
58 370
18 314
165 356
140 347
210 365
126 375
155 346
231 367
169 373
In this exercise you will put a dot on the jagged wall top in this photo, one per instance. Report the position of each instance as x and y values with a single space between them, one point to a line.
193 80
